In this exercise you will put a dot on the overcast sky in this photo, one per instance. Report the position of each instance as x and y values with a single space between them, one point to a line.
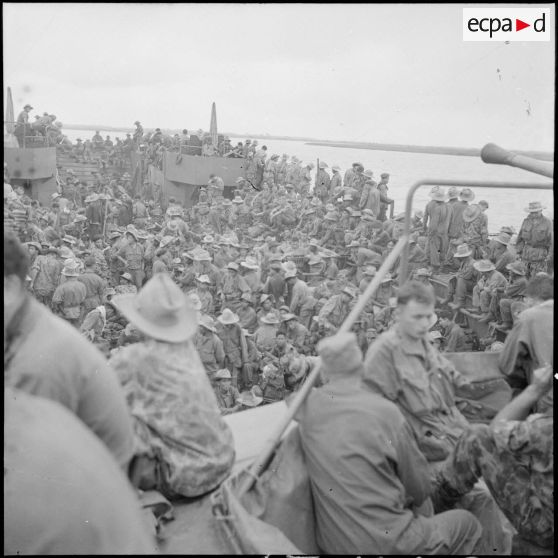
379 73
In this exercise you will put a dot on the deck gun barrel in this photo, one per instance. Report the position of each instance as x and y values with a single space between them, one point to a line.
496 155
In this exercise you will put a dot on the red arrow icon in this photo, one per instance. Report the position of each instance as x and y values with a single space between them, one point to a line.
519 25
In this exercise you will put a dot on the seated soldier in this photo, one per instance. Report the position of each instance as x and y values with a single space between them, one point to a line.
402 366
370 482
455 338
228 397
514 456
486 289
187 450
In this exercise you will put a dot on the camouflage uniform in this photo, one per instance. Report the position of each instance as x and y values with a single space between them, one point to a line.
533 243
177 423
515 459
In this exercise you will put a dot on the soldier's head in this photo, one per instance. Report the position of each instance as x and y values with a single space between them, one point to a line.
445 317
280 340
415 306
16 268
290 321
223 379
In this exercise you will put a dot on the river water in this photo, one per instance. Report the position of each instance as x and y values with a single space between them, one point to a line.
506 207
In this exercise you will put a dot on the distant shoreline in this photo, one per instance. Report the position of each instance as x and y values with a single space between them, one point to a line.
431 149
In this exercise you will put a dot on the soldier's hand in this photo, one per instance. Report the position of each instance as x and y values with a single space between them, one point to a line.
542 379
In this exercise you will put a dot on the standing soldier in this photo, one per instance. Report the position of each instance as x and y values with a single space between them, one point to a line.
323 182
336 183
45 275
385 202
131 255
68 298
209 347
475 228
534 239
370 197
282 170
455 227
437 229
233 287
234 344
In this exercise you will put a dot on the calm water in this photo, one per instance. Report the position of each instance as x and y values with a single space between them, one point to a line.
506 206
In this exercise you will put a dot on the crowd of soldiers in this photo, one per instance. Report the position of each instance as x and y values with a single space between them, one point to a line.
271 271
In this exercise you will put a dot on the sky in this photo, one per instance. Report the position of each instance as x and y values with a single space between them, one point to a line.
359 72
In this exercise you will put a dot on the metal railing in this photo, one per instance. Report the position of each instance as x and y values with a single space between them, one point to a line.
404 266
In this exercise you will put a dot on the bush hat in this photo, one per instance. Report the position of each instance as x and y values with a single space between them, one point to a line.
228 317
503 238
251 398
207 322
250 263
270 319
223 374
462 251
534 207
467 194
160 310
484 266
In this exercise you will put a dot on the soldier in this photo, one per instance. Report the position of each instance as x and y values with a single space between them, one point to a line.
323 182
202 290
228 397
385 201
297 334
265 334
95 286
336 309
209 347
436 221
246 313
131 255
456 340
45 275
233 287
475 229
464 280
69 296
485 290
188 449
501 453
513 295
234 344
534 239
498 252
370 198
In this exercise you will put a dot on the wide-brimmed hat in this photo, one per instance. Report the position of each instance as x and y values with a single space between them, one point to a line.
165 241
208 239
331 216
69 239
453 193
80 218
399 217
368 173
438 195
387 278
349 291
336 167
246 296
232 266
313 242
203 279
517 267
227 202
91 198
484 266
207 322
369 270
222 374
51 250
238 199
435 335
354 244
28 106
534 207
126 276
250 398
288 317
471 212
160 310
290 273
201 256
70 271
323 165
270 319
503 238
508 230
250 263
65 252
228 317
115 234
467 194
462 251
368 215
